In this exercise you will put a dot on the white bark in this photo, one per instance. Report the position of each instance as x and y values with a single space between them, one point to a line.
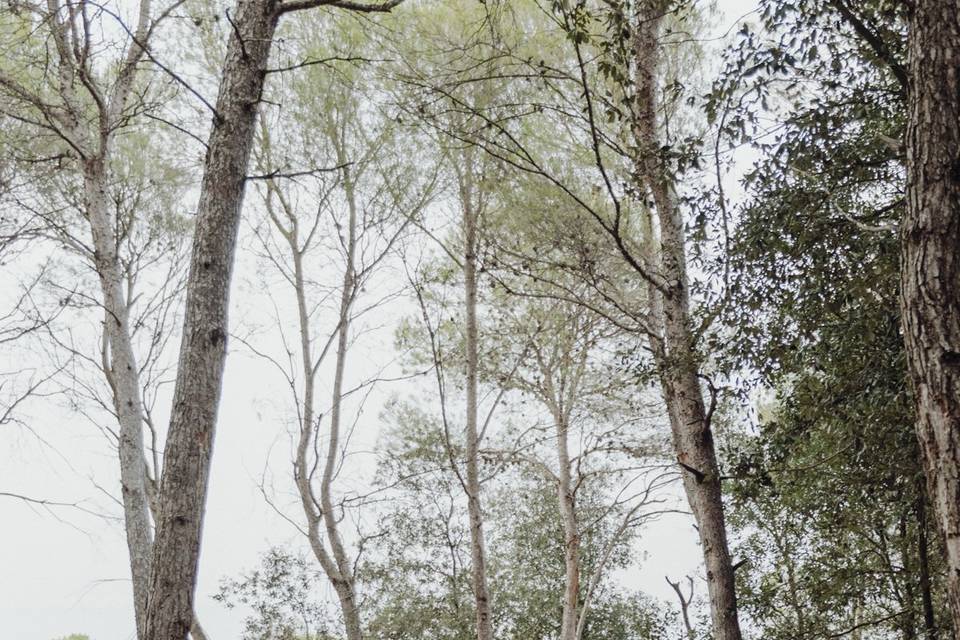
124 379
96 149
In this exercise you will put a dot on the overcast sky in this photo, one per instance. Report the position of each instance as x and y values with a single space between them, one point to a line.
63 571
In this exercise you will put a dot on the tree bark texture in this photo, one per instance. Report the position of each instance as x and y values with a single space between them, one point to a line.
203 348
923 555
674 343
930 263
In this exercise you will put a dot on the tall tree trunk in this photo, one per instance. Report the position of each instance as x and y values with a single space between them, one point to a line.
203 348
124 379
674 346
344 583
571 535
336 567
930 263
119 360
478 554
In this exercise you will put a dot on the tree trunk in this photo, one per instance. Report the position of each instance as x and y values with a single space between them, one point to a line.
571 534
124 379
344 585
923 555
478 553
930 263
908 597
203 347
674 346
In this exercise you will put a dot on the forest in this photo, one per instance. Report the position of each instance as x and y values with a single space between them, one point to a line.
480 319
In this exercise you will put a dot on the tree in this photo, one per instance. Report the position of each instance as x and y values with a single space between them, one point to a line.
562 355
419 568
830 487
82 116
349 224
282 598
186 464
930 263
473 175
612 71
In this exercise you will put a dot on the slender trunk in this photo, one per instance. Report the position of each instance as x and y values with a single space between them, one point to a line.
344 585
571 535
693 444
478 553
124 378
926 591
203 347
336 567
674 347
685 607
930 263
908 600
337 571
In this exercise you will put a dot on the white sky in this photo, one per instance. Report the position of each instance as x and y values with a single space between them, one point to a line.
71 575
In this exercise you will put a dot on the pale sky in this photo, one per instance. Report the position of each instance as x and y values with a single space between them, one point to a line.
65 572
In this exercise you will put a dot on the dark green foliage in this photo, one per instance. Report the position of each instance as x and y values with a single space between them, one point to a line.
828 495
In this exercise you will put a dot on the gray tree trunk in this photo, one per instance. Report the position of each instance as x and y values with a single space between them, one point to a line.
120 366
674 344
343 580
478 553
930 263
203 349
335 564
124 378
570 620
